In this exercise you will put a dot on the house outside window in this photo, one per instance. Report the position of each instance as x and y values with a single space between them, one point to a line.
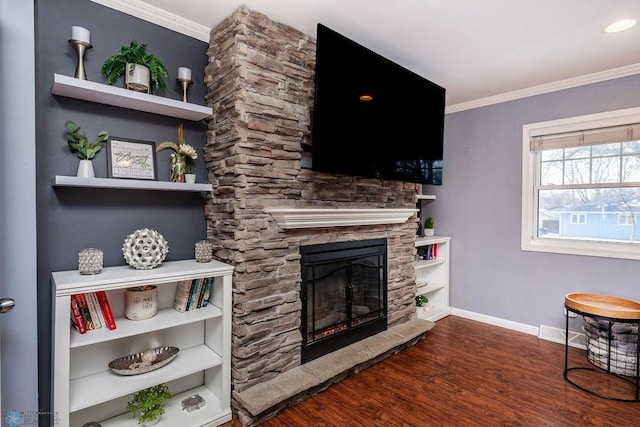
581 185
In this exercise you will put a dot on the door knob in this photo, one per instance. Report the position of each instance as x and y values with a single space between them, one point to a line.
6 304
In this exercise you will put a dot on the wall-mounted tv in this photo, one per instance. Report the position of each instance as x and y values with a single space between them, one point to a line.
373 117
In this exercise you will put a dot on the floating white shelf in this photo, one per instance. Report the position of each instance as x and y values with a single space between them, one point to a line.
86 90
128 184
426 197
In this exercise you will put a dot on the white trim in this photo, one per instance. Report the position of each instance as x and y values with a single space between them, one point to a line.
508 324
295 218
601 76
184 26
160 17
546 333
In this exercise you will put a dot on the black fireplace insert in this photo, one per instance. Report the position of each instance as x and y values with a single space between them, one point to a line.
344 294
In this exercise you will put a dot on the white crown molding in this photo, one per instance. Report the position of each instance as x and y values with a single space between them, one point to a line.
200 32
159 17
614 73
290 218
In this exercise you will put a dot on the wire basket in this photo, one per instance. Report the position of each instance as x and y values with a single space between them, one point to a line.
624 345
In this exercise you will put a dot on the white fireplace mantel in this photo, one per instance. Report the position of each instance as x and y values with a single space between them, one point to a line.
290 218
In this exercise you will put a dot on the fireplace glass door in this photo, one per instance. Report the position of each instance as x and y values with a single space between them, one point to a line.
344 294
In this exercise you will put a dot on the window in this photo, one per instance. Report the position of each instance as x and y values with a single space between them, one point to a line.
626 219
578 218
581 185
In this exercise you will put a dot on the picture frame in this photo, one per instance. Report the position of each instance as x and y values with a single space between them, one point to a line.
129 158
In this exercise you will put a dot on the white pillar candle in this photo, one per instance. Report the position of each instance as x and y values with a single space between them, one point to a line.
184 73
80 34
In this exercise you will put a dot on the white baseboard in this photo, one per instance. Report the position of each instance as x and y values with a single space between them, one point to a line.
543 332
520 327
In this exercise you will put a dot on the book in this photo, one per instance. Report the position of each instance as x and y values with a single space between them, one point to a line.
193 298
183 291
203 289
103 301
206 295
96 304
76 316
93 311
84 310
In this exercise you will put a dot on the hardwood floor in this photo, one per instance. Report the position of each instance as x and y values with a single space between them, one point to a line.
464 373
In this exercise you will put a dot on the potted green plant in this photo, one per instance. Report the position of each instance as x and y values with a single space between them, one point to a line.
150 403
421 300
189 174
133 60
428 227
85 150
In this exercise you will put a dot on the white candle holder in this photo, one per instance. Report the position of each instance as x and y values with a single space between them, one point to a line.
90 261
81 48
203 251
185 83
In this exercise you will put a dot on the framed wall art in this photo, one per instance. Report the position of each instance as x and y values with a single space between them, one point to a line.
131 158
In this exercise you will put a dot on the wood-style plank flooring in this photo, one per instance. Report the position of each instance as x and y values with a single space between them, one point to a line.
464 373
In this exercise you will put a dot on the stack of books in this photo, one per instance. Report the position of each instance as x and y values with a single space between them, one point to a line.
91 311
193 294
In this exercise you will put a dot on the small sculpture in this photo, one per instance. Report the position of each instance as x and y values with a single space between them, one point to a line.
145 249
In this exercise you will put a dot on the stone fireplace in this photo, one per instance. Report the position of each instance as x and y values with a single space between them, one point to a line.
265 207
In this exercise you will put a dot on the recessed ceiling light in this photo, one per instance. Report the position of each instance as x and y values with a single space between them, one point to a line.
621 25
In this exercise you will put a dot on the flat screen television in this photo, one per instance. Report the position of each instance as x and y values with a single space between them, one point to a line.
372 117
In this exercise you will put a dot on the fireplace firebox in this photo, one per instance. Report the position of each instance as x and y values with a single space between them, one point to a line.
344 294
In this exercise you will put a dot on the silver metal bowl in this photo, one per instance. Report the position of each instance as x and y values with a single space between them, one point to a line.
134 364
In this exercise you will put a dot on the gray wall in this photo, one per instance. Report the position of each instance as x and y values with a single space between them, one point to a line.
70 219
479 205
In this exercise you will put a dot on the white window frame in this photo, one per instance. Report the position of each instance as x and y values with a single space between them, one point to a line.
578 218
625 219
529 224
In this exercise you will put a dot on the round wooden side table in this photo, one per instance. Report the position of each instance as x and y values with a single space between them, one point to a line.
611 314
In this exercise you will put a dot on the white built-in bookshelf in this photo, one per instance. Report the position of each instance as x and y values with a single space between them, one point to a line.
432 277
85 388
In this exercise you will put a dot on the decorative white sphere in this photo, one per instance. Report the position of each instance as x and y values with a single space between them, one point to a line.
145 249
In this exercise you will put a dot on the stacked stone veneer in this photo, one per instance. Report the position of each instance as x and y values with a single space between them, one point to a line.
260 86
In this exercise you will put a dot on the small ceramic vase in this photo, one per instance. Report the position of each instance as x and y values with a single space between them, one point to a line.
85 169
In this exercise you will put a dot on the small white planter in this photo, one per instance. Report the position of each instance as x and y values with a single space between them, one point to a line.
139 80
190 178
85 169
428 232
